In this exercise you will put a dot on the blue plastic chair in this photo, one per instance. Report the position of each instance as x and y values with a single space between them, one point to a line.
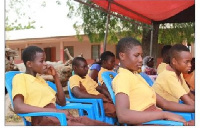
187 116
97 106
147 78
61 116
87 107
108 76
8 81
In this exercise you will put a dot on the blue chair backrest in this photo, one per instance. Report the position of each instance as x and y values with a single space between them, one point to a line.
107 77
71 95
52 85
8 79
147 78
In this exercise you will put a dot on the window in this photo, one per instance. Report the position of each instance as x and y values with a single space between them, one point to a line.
71 51
48 53
95 51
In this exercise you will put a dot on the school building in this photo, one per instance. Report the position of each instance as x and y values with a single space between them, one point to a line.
55 43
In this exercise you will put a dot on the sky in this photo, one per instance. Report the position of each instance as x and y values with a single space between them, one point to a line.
53 17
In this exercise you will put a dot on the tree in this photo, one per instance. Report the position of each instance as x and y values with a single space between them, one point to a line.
19 13
15 15
94 21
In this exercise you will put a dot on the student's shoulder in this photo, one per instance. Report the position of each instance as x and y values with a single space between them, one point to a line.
74 77
166 74
20 75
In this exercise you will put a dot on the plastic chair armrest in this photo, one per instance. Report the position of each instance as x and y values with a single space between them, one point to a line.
87 107
165 122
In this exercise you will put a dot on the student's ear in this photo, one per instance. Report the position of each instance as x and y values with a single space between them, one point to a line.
174 61
28 64
122 55
74 67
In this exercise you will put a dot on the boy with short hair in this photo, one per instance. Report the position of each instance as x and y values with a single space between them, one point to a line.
32 94
83 86
170 83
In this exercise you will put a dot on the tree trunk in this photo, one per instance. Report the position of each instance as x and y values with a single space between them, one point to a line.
146 42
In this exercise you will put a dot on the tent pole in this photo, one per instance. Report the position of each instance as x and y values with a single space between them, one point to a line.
151 41
107 22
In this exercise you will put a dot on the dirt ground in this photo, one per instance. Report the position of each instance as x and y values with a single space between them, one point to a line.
15 120
14 123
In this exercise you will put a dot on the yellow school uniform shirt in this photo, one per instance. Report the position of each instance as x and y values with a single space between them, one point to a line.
161 67
35 90
141 95
169 87
100 80
89 84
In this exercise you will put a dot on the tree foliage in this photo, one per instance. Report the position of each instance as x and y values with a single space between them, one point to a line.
19 13
94 22
176 33
15 15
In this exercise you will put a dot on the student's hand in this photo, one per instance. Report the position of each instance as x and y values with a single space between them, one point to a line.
51 70
189 123
68 115
174 117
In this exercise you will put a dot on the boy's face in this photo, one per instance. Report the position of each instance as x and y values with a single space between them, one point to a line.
39 65
183 61
110 63
81 69
132 59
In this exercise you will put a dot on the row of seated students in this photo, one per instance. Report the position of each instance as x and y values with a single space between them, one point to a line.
129 84
136 101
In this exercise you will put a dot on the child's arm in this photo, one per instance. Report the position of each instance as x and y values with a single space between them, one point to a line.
21 107
93 74
173 106
191 95
60 95
125 115
82 94
187 99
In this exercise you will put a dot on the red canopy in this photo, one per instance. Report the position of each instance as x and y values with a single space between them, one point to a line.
147 11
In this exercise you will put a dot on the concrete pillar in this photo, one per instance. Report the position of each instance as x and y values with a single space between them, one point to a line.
61 51
101 48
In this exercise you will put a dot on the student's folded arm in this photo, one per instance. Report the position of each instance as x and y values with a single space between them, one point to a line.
81 94
125 115
21 107
187 99
191 95
173 106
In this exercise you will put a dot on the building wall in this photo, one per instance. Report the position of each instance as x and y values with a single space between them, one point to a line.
59 43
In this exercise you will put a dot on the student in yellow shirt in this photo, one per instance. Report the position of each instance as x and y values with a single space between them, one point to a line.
32 94
165 56
107 64
170 84
83 86
136 101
